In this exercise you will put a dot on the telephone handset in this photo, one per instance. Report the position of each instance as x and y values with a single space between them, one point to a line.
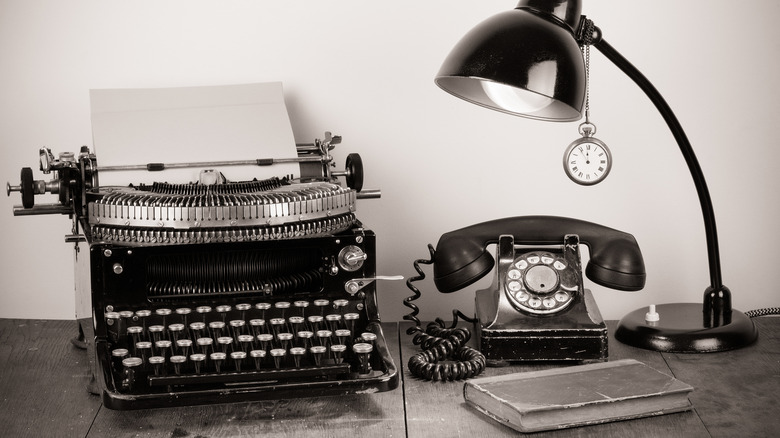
537 307
462 257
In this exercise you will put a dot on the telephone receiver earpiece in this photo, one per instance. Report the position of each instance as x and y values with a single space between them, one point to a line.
461 256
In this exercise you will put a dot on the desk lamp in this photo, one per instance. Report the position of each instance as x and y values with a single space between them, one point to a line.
529 62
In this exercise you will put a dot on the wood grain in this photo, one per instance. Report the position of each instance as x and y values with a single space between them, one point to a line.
43 380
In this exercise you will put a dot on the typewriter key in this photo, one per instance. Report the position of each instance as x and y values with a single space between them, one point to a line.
297 354
265 340
278 355
238 358
317 353
217 359
156 332
175 331
258 356
337 352
205 345
262 307
216 328
285 339
301 306
296 323
343 335
245 341
178 363
183 312
183 346
334 321
257 325
363 353
315 323
198 360
304 338
224 343
158 363
349 321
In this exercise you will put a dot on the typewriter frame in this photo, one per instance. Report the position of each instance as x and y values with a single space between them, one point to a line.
103 270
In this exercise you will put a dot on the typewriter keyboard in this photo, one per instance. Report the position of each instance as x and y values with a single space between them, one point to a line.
240 344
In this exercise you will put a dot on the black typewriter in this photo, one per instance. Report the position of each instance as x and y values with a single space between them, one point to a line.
216 291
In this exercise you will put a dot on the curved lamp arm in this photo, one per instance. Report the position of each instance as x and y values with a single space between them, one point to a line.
717 297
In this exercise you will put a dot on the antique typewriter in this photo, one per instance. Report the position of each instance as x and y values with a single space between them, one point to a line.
216 291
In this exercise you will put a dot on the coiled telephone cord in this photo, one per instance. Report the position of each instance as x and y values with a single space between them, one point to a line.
445 355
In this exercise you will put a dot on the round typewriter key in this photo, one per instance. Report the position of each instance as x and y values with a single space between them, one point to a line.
277 324
257 325
363 353
175 330
135 332
296 323
278 355
178 363
118 355
216 328
349 320
285 339
163 348
301 306
282 306
337 352
224 343
368 338
197 329
238 358
142 315
297 354
183 312
156 332
304 338
237 326
340 305
258 356
184 346
323 336
333 320
143 349
343 335
217 359
205 344
157 363
198 360
315 322
245 341
317 352
265 340
321 304
163 313
243 307
203 310
262 307
130 365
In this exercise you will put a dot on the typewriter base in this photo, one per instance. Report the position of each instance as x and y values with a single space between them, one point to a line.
384 377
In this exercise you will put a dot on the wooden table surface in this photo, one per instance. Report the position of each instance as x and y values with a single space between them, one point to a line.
43 392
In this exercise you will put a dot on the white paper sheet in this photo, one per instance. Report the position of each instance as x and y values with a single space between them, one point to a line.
191 124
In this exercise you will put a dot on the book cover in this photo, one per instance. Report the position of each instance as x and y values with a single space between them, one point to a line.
577 395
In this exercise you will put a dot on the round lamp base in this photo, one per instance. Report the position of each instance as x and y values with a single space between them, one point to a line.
680 329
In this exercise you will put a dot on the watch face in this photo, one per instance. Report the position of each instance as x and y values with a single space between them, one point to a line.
587 161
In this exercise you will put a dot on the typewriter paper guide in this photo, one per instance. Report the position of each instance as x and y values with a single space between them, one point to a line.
191 124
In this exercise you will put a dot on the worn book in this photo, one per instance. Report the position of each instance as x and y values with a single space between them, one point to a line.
577 395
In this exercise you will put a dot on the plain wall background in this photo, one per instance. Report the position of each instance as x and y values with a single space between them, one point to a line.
364 70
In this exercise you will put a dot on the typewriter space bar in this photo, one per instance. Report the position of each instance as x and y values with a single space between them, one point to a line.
251 376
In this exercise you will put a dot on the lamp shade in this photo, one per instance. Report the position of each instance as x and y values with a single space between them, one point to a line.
522 62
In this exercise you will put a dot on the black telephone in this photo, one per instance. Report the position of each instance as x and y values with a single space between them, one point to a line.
537 307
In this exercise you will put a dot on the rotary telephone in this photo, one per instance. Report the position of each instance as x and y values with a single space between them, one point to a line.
537 308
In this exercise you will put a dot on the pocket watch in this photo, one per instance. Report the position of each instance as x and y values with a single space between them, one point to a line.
587 160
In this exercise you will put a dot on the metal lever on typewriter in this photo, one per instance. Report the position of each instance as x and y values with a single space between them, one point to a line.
353 286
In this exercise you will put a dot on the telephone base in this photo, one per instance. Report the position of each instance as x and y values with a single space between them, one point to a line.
681 329
501 347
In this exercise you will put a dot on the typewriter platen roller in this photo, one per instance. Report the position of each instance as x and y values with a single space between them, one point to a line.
217 291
